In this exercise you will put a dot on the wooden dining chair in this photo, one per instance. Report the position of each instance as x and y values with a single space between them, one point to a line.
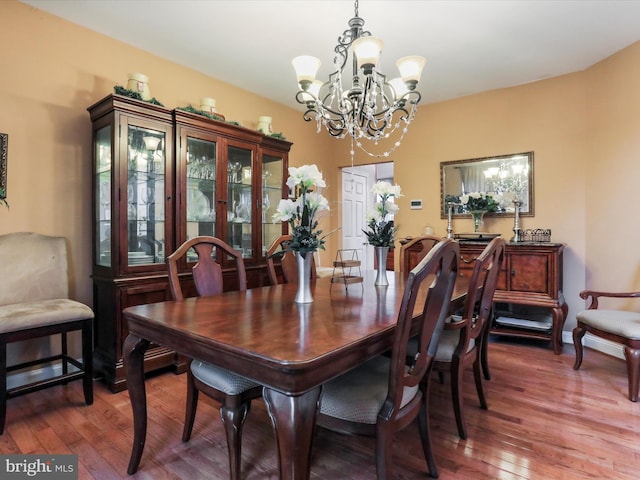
385 394
415 250
278 254
462 340
234 392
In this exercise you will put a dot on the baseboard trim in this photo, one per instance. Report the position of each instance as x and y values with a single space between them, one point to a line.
600 344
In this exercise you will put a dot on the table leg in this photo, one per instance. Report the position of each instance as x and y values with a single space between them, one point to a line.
294 420
133 357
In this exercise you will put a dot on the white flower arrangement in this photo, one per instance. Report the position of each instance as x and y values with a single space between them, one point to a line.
480 201
381 230
302 212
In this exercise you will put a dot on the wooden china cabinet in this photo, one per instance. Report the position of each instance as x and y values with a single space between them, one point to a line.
160 177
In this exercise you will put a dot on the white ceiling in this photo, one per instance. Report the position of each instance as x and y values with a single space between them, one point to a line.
471 45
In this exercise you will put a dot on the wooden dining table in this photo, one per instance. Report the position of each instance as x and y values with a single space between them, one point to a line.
291 349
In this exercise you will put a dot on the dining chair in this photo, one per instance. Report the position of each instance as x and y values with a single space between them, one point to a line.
619 326
278 250
414 250
35 307
384 395
464 336
234 392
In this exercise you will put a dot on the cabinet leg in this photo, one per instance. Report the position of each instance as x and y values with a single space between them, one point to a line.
559 316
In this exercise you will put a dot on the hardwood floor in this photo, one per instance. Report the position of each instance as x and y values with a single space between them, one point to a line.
545 421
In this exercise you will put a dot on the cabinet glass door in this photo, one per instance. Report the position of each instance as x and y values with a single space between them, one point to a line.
271 196
103 189
146 154
240 199
201 189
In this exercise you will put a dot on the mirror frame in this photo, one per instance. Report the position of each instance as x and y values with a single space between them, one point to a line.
510 211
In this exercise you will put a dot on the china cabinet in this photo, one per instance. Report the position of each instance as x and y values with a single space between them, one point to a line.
161 177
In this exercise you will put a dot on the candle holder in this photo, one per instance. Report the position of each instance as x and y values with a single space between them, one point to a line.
517 231
449 219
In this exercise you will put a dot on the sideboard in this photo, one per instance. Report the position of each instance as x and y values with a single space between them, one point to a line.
531 276
528 301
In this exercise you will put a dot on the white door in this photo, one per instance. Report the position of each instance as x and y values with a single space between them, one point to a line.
355 192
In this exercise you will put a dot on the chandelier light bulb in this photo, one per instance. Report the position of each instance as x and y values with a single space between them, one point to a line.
306 68
411 68
367 51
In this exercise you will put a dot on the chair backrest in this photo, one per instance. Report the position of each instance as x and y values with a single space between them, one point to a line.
207 272
415 250
33 267
278 249
482 287
431 284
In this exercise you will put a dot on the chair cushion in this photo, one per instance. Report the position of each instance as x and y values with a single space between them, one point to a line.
619 322
220 378
359 394
20 316
447 345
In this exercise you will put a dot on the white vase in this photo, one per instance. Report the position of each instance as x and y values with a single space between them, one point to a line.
303 294
381 259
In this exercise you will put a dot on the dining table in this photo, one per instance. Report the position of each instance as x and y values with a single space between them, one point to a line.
289 348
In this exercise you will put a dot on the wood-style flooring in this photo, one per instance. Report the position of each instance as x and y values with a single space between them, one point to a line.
545 421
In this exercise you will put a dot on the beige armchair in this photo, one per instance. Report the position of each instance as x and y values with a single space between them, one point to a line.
619 326
34 303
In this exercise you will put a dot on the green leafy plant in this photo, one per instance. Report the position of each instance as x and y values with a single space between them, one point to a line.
125 92
3 197
192 109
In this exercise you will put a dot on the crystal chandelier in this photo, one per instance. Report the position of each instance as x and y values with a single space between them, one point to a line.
366 106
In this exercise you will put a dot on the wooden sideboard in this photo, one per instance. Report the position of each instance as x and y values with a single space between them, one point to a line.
531 276
530 280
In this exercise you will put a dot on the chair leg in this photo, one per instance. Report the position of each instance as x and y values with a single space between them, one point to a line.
578 333
456 395
233 419
425 433
87 361
484 347
632 356
192 406
65 353
3 385
384 452
477 374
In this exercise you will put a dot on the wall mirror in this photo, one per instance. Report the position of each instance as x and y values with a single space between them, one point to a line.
509 176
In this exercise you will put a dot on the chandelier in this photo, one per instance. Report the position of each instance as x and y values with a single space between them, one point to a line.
363 105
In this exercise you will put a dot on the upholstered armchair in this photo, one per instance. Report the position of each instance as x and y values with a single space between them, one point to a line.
619 326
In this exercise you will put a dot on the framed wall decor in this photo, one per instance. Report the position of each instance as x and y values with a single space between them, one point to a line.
4 138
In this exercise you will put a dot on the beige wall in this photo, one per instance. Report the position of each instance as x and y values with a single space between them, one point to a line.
583 128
